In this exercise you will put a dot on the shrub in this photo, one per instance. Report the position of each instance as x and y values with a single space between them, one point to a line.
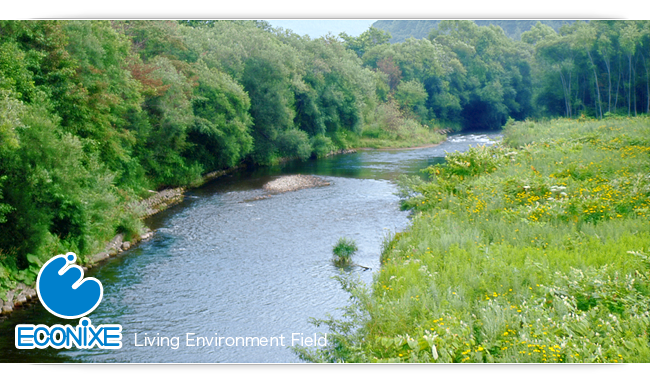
295 143
344 250
321 145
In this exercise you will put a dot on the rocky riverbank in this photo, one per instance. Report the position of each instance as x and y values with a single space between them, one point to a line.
23 294
341 151
17 297
445 131
159 201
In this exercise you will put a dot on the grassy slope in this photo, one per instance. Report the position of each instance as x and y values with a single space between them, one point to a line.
407 135
534 251
420 138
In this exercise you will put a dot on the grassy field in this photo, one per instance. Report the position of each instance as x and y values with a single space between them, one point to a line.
535 250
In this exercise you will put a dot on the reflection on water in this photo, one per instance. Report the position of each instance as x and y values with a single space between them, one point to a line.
220 264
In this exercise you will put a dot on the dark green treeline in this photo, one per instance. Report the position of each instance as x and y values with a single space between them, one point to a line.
95 113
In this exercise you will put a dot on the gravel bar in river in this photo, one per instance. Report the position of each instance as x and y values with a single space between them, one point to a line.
294 182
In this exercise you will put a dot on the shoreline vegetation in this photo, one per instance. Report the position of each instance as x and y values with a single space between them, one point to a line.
123 111
534 250
97 115
20 294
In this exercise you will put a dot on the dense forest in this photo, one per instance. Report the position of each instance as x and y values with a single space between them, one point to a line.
94 114
400 30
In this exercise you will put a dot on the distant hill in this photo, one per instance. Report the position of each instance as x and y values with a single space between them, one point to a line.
319 28
403 29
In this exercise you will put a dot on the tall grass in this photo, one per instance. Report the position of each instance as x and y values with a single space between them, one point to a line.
344 249
532 251
390 128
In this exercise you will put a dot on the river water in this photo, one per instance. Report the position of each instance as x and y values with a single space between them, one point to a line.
222 263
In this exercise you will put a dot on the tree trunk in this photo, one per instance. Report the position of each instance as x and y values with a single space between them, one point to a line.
593 66
629 85
609 89
569 96
647 86
584 95
634 86
618 83
566 95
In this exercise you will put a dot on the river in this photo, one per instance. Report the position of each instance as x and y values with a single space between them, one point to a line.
222 263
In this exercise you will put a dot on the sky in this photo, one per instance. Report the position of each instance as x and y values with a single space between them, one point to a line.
319 28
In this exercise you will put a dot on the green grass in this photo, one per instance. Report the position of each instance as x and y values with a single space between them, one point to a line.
532 251
391 127
378 138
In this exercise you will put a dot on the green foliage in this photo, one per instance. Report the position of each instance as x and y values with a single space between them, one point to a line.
496 82
110 97
368 39
537 33
130 225
474 162
344 249
344 332
597 52
220 133
533 251
95 113
341 92
264 67
294 143
10 114
154 38
388 127
321 145
56 190
411 96
116 108
403 29
14 74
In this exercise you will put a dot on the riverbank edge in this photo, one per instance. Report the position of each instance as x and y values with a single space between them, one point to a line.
22 294
388 259
380 144
407 148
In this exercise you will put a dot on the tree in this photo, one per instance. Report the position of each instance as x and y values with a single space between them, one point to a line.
585 39
629 38
539 32
411 96
556 53
368 39
495 83
220 135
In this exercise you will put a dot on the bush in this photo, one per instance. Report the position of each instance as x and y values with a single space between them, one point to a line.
294 143
344 250
321 145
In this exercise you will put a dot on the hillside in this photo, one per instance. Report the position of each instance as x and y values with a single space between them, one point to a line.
403 29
